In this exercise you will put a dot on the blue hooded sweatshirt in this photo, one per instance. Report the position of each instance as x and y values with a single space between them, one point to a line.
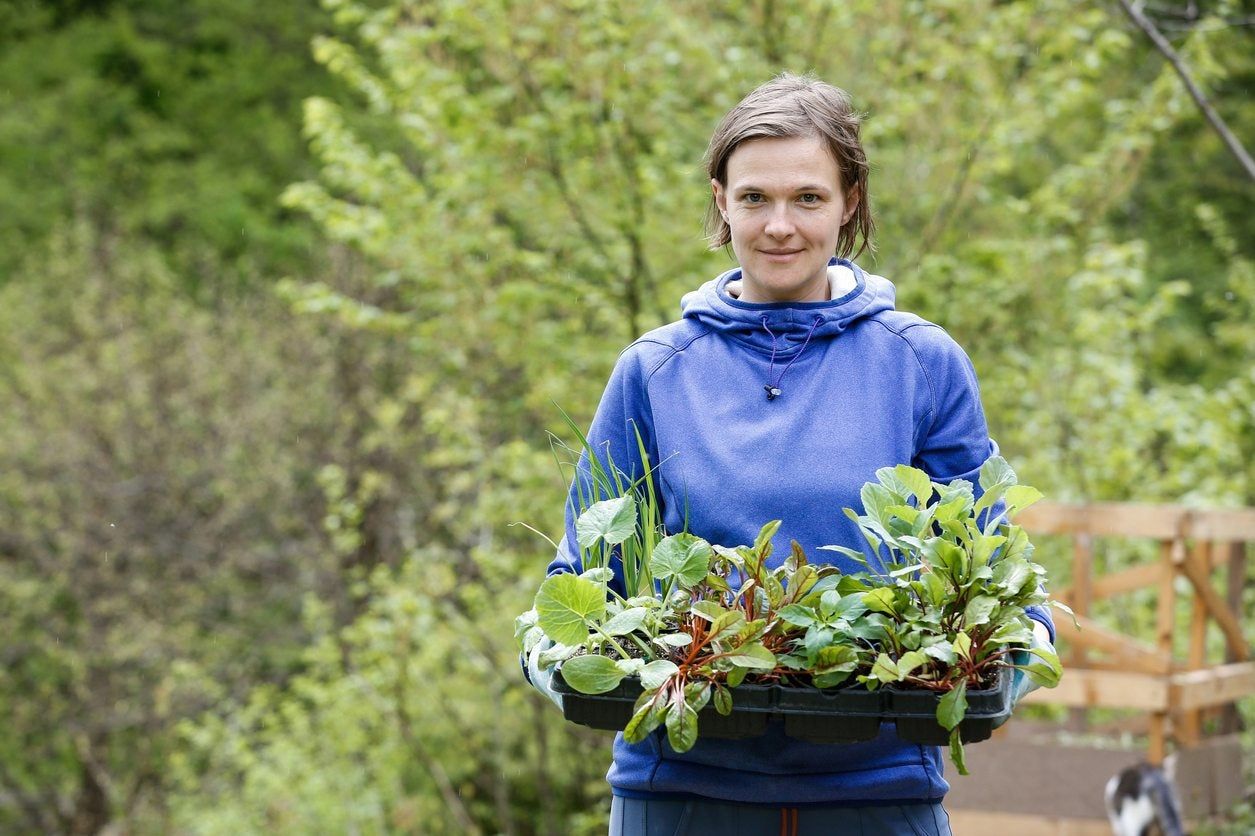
860 386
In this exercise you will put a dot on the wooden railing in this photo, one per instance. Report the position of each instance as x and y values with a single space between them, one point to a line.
1106 668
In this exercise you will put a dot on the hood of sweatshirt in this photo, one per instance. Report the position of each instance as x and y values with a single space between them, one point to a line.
786 327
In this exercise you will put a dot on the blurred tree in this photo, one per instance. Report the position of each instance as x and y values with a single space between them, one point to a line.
160 520
172 121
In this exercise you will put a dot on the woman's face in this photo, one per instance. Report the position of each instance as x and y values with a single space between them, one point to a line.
784 206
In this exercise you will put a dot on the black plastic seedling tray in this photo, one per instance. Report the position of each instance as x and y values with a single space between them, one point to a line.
915 712
843 715
752 708
837 715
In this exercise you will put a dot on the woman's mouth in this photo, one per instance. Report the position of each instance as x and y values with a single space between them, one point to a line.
780 255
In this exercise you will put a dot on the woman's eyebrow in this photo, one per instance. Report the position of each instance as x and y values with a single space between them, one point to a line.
807 187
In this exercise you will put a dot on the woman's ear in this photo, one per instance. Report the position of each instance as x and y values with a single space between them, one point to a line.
721 198
851 205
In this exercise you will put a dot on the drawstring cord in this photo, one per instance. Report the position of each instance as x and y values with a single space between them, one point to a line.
788 821
773 386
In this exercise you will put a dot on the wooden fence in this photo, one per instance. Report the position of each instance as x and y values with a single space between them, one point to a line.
1024 783
1106 668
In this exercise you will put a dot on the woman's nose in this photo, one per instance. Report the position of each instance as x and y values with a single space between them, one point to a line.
779 224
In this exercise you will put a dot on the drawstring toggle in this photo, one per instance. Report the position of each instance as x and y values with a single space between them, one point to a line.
773 383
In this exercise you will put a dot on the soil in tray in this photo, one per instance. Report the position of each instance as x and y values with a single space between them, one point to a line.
915 712
612 710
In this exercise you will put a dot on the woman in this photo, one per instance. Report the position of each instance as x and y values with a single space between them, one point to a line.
785 385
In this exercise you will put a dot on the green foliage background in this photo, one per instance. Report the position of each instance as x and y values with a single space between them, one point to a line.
288 292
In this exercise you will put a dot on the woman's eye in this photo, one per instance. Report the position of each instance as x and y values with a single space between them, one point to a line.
753 197
810 198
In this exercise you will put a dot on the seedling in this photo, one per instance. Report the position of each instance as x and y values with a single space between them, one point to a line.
939 605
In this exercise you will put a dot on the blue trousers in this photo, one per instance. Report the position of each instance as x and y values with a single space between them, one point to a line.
698 817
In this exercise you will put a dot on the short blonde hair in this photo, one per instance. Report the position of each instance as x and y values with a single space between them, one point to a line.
796 106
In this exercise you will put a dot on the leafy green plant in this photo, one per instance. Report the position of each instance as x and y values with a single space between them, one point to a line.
939 608
949 598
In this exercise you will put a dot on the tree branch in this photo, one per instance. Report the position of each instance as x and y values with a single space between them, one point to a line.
1213 118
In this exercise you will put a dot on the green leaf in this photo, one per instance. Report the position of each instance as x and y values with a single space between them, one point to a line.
880 600
736 676
1020 497
917 481
869 630
996 472
796 559
885 669
946 559
1011 573
630 666
557 653
953 706
675 639
996 476
1018 545
726 625
763 540
1059 605
774 590
817 638
797 615
888 479
683 557
944 512
611 520
647 717
934 588
565 604
708 610
626 622
1047 670
752 655
911 661
697 695
717 583
876 501
831 679
942 651
978 610
828 602
681 726
1011 632
591 674
656 673
963 645
956 752
834 657
853 554
599 574
984 547
723 700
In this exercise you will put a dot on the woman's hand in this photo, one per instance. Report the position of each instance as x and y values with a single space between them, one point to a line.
542 678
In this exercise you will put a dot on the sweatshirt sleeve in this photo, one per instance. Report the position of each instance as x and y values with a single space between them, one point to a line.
622 413
952 439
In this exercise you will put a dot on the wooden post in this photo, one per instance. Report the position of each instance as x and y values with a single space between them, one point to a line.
1191 722
1230 720
1171 552
1082 587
